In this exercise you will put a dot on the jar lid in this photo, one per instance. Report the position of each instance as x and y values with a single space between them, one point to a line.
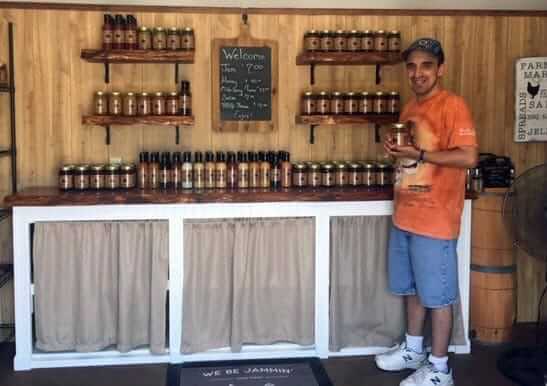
369 164
308 93
314 165
327 166
341 165
336 93
350 94
82 168
97 168
173 29
384 165
380 32
311 31
188 29
158 29
379 93
399 126
340 32
300 166
354 31
365 93
159 94
394 93
355 165
395 32
143 28
115 93
130 93
128 167
144 94
174 94
112 167
324 93
100 93
326 31
367 31
67 168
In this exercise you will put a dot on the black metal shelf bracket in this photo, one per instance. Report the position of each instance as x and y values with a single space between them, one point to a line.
312 74
107 72
177 135
107 128
377 138
176 73
378 74
312 134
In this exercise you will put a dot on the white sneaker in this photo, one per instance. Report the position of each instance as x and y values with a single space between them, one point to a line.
399 358
428 375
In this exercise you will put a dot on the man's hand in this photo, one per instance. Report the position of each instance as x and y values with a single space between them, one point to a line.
392 149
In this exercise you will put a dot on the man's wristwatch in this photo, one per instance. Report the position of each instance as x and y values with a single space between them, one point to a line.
421 158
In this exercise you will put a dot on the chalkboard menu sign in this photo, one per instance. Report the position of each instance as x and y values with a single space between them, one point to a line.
245 83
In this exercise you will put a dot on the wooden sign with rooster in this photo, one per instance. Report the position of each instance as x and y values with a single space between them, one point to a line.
531 100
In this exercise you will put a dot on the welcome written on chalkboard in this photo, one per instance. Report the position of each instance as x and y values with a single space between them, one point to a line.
245 83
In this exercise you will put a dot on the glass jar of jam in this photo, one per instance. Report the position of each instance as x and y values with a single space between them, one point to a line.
187 39
327 174
108 31
393 103
385 174
337 103
96 177
312 40
81 177
314 174
323 103
173 39
300 174
355 176
394 41
118 32
143 104
172 104
401 134
144 38
66 177
101 103
366 103
185 98
380 103
351 103
341 176
128 176
327 40
115 103
369 174
340 40
309 103
159 39
112 177
380 41
354 41
130 33
367 40
158 104
130 104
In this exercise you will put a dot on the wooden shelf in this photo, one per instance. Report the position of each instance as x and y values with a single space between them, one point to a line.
157 120
348 58
331 120
137 56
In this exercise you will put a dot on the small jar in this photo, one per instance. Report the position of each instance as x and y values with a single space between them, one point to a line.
187 39
312 41
369 175
300 174
380 103
351 103
130 104
144 37
393 103
469 180
327 175
401 134
101 103
380 41
477 184
385 175
394 41
128 176
112 177
366 103
172 104
159 39
96 177
355 174
354 41
340 40
143 104
66 177
341 175
367 40
173 39
337 103
81 177
115 103
323 103
327 41
158 104
309 103
314 174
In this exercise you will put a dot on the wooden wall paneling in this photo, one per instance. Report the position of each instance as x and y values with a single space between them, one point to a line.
5 180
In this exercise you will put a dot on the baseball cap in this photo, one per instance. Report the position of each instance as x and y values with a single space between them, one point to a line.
429 45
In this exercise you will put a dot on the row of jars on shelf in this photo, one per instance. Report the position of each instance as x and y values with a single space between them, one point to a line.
352 41
120 33
131 104
350 103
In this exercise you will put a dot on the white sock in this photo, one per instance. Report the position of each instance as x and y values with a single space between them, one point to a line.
440 363
415 343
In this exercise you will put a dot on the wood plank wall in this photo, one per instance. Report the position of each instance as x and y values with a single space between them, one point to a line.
55 88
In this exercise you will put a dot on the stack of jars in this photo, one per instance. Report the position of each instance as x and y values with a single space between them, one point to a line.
352 41
122 33
352 103
97 177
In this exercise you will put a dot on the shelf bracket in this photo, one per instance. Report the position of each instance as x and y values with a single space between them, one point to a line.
176 73
107 128
177 135
377 138
312 74
378 74
312 134
107 72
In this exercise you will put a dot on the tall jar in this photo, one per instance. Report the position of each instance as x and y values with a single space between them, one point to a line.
144 37
81 177
309 103
101 103
172 103
340 40
393 103
108 32
188 39
367 40
112 177
96 177
380 41
380 102
159 39
327 41
354 43
323 103
118 35
327 175
355 176
314 174
66 177
130 104
128 176
369 174
143 104
185 98
341 175
158 104
130 33
173 39
394 41
300 175
337 103
366 103
115 103
351 103
312 41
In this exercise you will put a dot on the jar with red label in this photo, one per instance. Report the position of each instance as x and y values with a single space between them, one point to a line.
354 41
173 39
394 41
309 103
341 175
143 104
351 103
380 41
380 103
158 104
323 103
367 40
337 103
340 40
366 103
312 41
115 103
327 40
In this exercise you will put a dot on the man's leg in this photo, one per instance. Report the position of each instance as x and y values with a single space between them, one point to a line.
442 328
415 315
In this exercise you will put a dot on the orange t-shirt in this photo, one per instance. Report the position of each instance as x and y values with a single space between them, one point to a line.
429 198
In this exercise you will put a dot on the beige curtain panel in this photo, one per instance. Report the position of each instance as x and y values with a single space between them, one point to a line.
248 282
363 312
99 284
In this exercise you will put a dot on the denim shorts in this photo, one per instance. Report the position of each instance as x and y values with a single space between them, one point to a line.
423 266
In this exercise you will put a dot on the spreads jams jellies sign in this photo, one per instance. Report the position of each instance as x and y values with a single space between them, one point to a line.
531 100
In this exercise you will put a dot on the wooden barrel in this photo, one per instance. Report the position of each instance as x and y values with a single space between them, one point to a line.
493 272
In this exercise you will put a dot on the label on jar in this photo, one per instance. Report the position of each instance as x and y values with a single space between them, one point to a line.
107 36
337 106
355 178
369 179
340 43
187 41
394 43
221 178
130 37
65 182
394 106
173 42
341 178
118 38
299 178
158 106
328 179
185 104
312 43
365 106
314 178
145 40
323 106
380 43
367 43
327 43
159 41
100 106
308 106
354 43
379 106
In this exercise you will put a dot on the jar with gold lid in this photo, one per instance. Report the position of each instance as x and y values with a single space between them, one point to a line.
380 41
101 103
401 135
337 103
340 40
300 174
144 38
143 104
327 174
367 40
172 103
323 103
355 177
66 177
173 39
130 104
380 103
312 40
354 43
369 174
81 177
187 39
351 103
394 41
385 174
393 103
158 104
341 176
327 40
314 174
159 39
309 103
115 103
366 103
128 176
112 177
97 177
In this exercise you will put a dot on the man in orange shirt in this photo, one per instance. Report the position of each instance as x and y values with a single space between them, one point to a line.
429 196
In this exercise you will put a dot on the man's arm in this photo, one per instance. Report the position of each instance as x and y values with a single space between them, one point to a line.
460 157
